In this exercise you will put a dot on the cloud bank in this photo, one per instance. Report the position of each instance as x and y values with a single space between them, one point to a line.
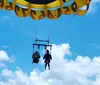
81 71
5 58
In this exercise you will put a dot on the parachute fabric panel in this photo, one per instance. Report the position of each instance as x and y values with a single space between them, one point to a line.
21 12
2 4
81 12
54 14
5 4
37 15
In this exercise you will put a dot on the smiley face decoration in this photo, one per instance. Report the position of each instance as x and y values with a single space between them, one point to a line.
39 9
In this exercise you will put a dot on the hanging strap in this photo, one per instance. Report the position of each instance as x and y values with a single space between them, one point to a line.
38 46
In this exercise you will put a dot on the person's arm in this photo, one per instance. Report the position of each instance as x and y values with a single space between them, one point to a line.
44 57
51 57
38 55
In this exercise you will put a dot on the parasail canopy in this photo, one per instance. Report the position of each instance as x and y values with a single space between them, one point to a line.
39 9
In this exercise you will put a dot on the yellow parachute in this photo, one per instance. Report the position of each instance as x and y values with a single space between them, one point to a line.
39 9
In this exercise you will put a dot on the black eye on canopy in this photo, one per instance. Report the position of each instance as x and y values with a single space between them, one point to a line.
41 1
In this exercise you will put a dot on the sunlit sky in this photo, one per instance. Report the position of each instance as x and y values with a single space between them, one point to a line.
81 34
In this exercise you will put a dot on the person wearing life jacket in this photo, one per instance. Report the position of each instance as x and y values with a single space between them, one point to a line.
36 57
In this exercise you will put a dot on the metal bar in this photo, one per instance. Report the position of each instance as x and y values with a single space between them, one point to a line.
42 40
41 44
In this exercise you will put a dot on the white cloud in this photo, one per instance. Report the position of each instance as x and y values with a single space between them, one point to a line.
80 71
5 58
7 73
2 65
12 58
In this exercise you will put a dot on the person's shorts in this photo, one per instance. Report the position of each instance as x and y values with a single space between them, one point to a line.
47 61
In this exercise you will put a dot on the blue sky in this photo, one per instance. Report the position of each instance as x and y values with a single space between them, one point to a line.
16 37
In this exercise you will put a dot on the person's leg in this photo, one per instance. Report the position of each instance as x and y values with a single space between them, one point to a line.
45 65
33 61
48 66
